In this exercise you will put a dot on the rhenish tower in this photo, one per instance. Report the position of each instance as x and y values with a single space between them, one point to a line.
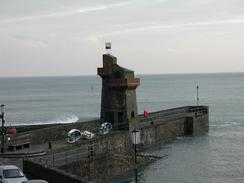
118 105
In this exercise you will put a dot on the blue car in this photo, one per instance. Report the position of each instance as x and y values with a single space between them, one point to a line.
105 128
73 136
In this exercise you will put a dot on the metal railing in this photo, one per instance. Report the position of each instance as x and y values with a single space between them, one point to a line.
62 158
171 114
166 114
203 109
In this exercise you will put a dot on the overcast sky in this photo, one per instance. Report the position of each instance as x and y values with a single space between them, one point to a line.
64 37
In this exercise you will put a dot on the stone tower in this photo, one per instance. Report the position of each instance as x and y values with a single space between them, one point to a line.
118 105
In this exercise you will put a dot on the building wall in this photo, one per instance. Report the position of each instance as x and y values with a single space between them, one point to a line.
113 101
131 107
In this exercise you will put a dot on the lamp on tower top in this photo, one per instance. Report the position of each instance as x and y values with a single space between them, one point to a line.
108 47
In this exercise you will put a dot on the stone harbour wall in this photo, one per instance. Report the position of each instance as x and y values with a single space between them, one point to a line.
105 167
158 127
161 133
55 132
52 175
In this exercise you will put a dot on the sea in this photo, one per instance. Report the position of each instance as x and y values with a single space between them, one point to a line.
216 157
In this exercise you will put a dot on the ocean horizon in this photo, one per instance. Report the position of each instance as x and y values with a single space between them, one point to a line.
65 99
140 74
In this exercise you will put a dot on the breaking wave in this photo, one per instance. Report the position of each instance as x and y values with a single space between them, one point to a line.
63 120
60 120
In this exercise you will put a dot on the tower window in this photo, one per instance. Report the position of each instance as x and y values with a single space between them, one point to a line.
132 114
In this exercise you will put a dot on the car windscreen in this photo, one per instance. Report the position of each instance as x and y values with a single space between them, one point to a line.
12 173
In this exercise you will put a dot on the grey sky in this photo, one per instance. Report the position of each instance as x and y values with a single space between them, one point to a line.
60 37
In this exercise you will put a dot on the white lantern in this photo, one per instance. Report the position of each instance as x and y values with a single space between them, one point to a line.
135 136
108 46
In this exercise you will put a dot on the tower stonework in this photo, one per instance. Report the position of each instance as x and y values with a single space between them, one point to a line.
118 105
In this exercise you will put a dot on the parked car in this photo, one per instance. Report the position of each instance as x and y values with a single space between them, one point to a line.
35 181
105 128
87 135
73 136
11 174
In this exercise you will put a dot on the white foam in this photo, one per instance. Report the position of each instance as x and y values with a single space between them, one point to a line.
60 120
69 119
225 123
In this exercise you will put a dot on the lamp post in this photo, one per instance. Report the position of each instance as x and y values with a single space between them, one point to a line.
197 95
3 121
135 135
